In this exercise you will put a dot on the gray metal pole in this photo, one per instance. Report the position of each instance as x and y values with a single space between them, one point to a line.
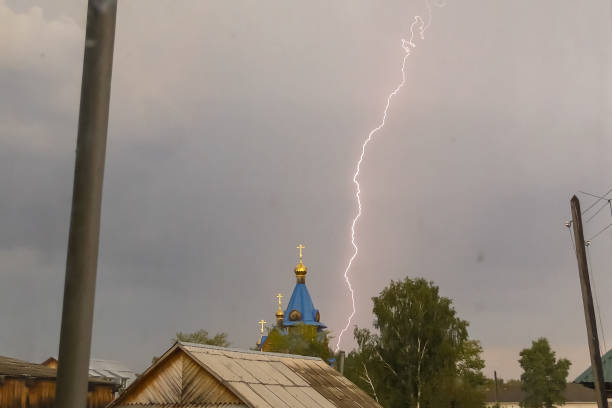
587 300
341 365
82 258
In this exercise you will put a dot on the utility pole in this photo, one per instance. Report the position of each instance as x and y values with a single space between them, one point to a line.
341 362
496 390
83 239
587 300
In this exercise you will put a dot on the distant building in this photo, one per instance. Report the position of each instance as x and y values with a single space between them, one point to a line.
510 396
51 362
195 375
586 378
114 371
300 309
30 385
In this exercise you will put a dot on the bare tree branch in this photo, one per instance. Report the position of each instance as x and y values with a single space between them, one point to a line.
369 381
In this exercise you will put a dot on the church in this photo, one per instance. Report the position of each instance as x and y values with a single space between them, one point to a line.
300 313
202 376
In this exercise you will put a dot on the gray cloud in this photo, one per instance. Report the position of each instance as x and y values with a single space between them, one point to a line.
233 136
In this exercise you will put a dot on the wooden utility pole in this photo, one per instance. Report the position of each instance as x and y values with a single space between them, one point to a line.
82 258
496 390
587 300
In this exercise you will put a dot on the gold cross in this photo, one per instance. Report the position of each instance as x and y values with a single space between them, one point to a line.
262 322
300 247
280 298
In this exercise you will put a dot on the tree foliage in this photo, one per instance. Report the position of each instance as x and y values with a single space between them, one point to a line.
422 355
544 377
202 337
302 340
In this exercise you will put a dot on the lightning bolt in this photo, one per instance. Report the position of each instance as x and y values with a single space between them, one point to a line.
418 27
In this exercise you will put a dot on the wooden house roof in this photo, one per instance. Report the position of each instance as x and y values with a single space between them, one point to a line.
12 367
199 376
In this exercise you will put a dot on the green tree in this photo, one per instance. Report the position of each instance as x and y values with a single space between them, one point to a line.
202 337
302 340
544 377
422 355
363 367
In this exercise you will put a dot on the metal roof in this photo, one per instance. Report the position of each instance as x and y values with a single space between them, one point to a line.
587 376
262 380
302 302
271 380
115 370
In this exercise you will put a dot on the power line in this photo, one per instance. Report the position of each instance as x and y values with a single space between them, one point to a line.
594 285
599 198
600 232
606 204
571 236
595 195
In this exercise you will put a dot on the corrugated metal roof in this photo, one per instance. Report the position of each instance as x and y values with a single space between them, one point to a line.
271 380
115 370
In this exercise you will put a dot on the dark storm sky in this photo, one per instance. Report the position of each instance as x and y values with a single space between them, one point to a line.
233 136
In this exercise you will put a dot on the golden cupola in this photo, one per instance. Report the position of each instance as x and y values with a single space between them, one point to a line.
300 269
280 315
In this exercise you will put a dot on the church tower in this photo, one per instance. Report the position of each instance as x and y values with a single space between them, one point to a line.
300 313
300 309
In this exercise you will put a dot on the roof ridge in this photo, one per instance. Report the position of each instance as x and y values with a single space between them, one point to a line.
247 351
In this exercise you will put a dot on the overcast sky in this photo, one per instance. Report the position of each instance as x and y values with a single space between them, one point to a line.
234 132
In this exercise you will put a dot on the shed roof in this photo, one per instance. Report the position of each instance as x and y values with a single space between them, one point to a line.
12 367
259 380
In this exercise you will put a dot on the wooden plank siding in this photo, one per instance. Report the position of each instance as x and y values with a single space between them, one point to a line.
30 392
178 380
42 394
99 396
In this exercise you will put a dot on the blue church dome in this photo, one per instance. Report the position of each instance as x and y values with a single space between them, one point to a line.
300 309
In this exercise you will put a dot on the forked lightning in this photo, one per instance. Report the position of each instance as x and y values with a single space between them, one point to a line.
418 27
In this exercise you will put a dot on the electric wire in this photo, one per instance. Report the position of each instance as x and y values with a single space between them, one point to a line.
606 204
600 232
571 238
594 287
595 195
595 203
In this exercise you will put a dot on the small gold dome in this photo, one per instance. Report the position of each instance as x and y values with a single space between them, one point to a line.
279 312
300 269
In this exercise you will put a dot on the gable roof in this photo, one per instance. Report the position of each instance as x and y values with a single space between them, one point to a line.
301 301
260 380
12 367
586 377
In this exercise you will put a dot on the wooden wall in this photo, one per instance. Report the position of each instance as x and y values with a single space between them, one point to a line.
177 380
34 393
